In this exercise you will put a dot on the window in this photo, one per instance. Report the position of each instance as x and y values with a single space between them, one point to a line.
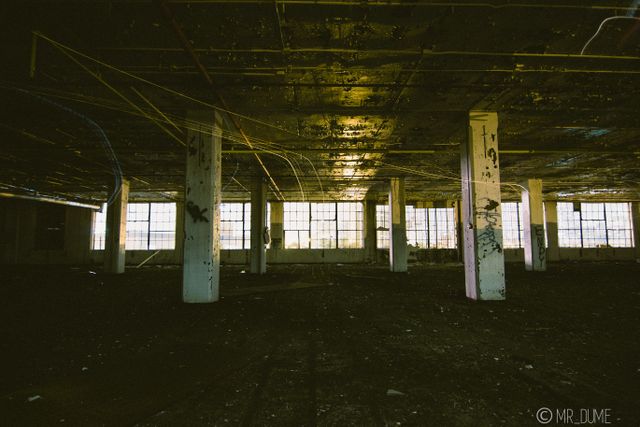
442 228
417 227
162 226
137 226
235 225
323 225
569 225
350 225
150 226
382 226
432 228
296 225
619 225
512 225
594 225
99 228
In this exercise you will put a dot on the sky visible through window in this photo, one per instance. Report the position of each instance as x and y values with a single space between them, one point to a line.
427 228
331 225
595 225
328 225
150 226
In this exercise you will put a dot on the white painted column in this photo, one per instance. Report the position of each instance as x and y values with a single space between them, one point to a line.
535 250
258 255
277 225
635 217
398 227
551 213
370 231
481 209
201 260
179 249
116 233
457 217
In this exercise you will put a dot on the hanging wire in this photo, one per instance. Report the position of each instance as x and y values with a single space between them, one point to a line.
106 144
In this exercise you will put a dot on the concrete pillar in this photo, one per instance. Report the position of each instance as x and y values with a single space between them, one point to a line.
179 249
457 217
481 211
551 212
635 217
201 249
116 233
370 230
277 225
398 230
535 250
258 261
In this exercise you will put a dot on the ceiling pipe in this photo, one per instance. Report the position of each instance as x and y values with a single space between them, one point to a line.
54 200
372 3
408 52
396 151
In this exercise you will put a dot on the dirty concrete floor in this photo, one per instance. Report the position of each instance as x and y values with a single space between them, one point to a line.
318 345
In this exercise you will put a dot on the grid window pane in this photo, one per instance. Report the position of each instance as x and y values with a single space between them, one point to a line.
99 228
569 228
162 226
350 225
382 226
433 228
151 226
323 225
619 227
296 225
235 225
247 225
417 229
512 228
232 228
137 226
595 225
594 229
442 228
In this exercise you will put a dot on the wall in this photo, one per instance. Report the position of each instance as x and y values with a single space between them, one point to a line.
18 229
579 254
18 245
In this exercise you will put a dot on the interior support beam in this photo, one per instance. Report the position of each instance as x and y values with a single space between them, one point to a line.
201 264
116 232
457 219
551 214
258 255
481 209
635 216
398 227
535 250
370 237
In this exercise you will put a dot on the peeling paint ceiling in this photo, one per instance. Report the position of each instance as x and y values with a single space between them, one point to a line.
335 97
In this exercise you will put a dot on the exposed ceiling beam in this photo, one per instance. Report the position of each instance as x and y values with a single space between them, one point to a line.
186 44
385 3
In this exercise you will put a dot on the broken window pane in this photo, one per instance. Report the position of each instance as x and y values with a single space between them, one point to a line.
382 226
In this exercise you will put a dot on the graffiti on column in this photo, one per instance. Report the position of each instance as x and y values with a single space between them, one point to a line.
196 213
487 238
539 236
